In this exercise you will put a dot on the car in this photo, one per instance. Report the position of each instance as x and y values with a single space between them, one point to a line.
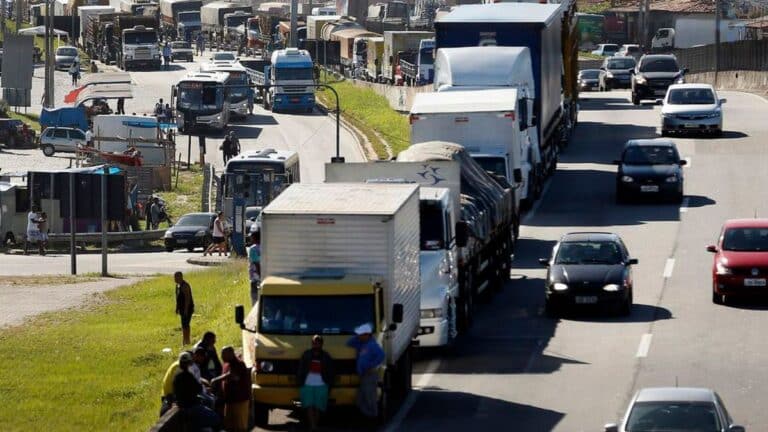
653 75
15 133
630 50
589 268
65 56
190 231
679 409
692 108
616 72
224 56
61 139
649 168
181 50
252 217
740 265
588 78
606 50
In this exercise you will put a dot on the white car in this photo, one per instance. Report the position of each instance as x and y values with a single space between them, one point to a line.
606 50
692 108
224 56
61 139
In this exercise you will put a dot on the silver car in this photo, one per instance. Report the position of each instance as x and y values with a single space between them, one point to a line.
678 409
61 139
65 56
692 108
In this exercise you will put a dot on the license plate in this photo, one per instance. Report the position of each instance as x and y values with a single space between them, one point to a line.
751 282
690 125
586 299
649 188
295 100
660 92
181 241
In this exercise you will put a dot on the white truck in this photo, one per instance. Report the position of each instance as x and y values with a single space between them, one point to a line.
439 251
334 257
85 13
695 30
493 68
397 43
212 14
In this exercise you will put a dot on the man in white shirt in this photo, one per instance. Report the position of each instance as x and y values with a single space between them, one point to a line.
89 138
33 229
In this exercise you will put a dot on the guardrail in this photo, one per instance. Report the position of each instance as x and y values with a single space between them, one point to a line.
95 237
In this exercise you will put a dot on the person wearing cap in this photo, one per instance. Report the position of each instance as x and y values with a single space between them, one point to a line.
315 377
186 389
369 356
236 391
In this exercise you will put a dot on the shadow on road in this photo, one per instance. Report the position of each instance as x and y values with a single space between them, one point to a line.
695 201
260 120
245 132
641 313
602 142
605 103
437 409
528 251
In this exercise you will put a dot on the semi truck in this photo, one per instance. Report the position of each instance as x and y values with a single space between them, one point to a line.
397 43
315 25
136 42
172 17
136 7
418 67
549 31
388 16
212 14
235 26
495 68
292 79
483 207
86 12
695 30
334 257
99 43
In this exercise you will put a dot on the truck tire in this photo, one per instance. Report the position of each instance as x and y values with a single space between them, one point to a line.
635 99
260 415
465 305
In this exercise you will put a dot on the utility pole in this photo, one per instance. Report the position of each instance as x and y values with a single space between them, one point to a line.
718 6
2 22
294 42
645 22
18 15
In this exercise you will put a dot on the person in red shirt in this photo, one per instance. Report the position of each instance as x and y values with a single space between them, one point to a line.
236 391
315 377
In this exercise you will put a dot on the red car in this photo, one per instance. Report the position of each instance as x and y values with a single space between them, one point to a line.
741 259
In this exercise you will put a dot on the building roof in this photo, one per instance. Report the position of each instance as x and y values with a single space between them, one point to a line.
674 6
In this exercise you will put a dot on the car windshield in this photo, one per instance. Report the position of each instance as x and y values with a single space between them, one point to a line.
621 63
588 252
224 56
673 416
194 220
180 45
284 73
69 52
314 314
651 155
659 65
746 240
590 74
691 96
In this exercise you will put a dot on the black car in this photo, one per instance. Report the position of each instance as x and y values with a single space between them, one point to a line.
587 79
190 231
589 268
649 168
616 72
654 73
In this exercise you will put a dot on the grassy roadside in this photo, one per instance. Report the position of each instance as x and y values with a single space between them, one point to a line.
33 120
185 198
49 279
370 113
100 368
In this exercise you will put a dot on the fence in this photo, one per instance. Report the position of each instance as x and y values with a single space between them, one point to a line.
747 55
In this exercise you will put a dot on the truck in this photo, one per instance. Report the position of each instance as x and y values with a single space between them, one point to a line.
347 39
692 30
136 42
172 17
235 26
418 67
99 41
86 12
549 31
395 44
334 257
438 265
357 9
483 216
292 79
315 25
374 48
388 16
135 7
212 14
494 68
257 68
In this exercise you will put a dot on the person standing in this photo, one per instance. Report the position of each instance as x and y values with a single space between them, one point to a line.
315 376
219 236
74 71
226 148
236 391
167 55
254 268
186 389
89 137
154 212
185 305
42 225
121 106
369 356
199 44
33 229
234 144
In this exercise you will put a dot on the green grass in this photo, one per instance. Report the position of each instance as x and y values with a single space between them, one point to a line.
10 27
101 368
594 8
33 120
186 198
371 114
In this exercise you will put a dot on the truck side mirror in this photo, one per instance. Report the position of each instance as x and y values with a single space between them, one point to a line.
462 234
240 315
517 175
397 313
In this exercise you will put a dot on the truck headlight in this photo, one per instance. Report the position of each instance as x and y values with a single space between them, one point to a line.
627 179
559 286
128 57
156 56
714 114
266 366
722 269
608 75
432 313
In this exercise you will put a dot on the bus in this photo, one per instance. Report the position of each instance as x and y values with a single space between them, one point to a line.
591 29
201 101
240 94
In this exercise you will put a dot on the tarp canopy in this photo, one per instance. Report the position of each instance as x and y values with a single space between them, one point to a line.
40 31
104 91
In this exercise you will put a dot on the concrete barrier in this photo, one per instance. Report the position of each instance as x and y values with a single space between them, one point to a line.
95 237
169 422
733 80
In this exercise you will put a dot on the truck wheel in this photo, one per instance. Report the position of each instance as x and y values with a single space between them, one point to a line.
260 415
385 400
49 150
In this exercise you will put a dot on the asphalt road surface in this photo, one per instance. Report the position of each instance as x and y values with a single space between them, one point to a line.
518 370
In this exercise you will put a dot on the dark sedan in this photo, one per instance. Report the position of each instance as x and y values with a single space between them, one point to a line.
616 72
190 231
588 79
649 168
589 268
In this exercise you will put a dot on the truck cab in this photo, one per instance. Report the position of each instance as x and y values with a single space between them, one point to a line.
140 48
663 40
188 25
292 77
418 67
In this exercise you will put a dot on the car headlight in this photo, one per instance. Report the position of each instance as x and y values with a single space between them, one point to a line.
627 179
608 75
640 79
612 287
672 179
722 269
200 234
168 234
128 57
266 366
559 286
432 313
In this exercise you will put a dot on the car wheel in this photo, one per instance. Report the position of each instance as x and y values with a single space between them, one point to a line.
635 99
718 299
49 150
11 141
664 132
168 249
607 87
190 249
626 306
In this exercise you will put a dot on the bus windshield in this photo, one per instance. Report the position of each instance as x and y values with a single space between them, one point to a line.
195 95
237 78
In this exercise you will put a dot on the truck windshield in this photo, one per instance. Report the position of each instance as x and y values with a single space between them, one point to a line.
236 21
496 165
200 96
315 314
189 16
432 226
140 38
426 56
288 74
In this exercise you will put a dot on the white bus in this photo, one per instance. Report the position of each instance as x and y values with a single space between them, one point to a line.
201 101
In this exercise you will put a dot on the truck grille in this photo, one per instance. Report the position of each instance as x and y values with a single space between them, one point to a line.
294 89
291 367
143 54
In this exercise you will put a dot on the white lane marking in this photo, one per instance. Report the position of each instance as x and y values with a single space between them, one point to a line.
423 381
684 205
668 267
528 217
645 345
688 162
